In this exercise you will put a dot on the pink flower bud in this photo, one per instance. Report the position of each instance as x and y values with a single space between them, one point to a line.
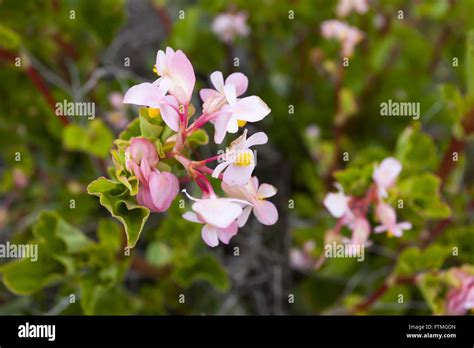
141 156
160 191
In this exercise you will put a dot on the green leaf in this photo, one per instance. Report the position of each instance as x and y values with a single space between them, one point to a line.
95 139
132 130
184 34
421 194
355 179
431 286
121 173
90 292
8 38
470 62
150 121
454 101
416 151
413 260
158 254
205 268
199 137
58 235
24 277
113 196
109 235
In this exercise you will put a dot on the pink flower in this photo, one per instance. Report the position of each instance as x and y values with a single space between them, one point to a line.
264 211
116 100
218 215
154 95
228 26
177 74
360 231
337 203
344 7
301 259
347 35
460 299
156 190
19 178
215 99
159 191
385 175
235 111
140 156
387 216
239 161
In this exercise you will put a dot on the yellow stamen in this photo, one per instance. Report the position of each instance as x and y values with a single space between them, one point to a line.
244 158
152 112
241 123
390 234
154 69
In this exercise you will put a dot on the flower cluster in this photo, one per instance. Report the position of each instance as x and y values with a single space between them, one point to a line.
345 7
352 211
347 35
169 97
229 26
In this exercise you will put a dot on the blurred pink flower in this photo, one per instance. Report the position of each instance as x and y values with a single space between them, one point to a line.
264 211
228 26
347 35
154 95
116 100
301 259
345 7
337 203
177 74
218 215
388 218
385 175
19 178
460 299
239 161
360 231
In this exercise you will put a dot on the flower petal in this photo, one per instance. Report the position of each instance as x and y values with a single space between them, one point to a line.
217 80
163 189
219 168
266 190
238 176
206 93
230 94
239 80
145 94
182 73
220 126
336 203
226 234
209 235
190 216
217 212
259 138
169 114
242 220
266 212
251 109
